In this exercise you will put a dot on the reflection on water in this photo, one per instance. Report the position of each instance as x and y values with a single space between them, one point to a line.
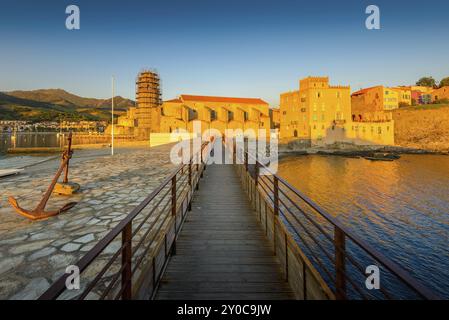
400 207
45 139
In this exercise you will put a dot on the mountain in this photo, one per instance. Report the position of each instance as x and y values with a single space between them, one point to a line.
52 104
64 98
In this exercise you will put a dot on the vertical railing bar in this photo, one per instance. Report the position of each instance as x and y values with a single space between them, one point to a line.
340 265
304 281
154 273
126 262
286 256
276 209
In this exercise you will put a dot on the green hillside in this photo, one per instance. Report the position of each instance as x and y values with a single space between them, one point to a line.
53 104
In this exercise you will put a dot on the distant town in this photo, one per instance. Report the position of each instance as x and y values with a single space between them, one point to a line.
52 126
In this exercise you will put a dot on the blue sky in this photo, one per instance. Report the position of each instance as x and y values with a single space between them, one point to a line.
229 48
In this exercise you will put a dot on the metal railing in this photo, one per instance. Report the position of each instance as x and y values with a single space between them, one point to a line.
148 238
339 255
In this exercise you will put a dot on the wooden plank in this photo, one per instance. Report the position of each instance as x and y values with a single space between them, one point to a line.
222 251
193 286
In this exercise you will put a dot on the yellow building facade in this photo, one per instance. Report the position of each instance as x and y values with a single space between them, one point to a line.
421 89
370 104
128 120
220 113
310 111
322 114
404 96
275 118
440 94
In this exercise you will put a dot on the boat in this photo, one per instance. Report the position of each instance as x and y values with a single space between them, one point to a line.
383 157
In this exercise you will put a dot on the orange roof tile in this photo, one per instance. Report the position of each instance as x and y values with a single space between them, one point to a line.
186 97
364 91
174 100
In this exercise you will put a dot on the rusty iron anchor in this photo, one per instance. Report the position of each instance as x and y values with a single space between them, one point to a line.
39 212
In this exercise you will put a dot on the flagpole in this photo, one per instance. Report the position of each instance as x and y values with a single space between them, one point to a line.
112 119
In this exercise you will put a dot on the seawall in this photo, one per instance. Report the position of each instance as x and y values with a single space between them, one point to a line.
422 128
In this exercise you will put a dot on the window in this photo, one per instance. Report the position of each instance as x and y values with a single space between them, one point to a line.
231 115
245 116
315 117
338 94
193 114
318 94
213 115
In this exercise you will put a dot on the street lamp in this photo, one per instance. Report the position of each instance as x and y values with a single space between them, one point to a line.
112 119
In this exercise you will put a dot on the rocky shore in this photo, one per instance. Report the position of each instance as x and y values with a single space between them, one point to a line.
349 150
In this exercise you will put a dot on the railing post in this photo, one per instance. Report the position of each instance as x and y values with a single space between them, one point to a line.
197 163
174 201
190 174
246 161
126 262
340 266
256 181
276 195
276 208
202 164
197 186
173 196
190 185
286 257
256 178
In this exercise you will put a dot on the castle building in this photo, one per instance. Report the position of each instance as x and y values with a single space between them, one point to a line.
151 116
220 113
308 112
320 114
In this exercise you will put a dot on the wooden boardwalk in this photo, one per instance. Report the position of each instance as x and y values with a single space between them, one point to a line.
222 251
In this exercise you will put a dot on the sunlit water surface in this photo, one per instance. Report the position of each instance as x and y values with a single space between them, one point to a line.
401 207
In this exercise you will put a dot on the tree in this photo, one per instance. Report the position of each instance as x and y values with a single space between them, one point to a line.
444 82
426 82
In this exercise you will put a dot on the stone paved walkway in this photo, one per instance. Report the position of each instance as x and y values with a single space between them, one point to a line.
34 254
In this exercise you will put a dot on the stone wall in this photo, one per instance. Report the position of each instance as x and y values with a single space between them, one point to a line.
422 128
